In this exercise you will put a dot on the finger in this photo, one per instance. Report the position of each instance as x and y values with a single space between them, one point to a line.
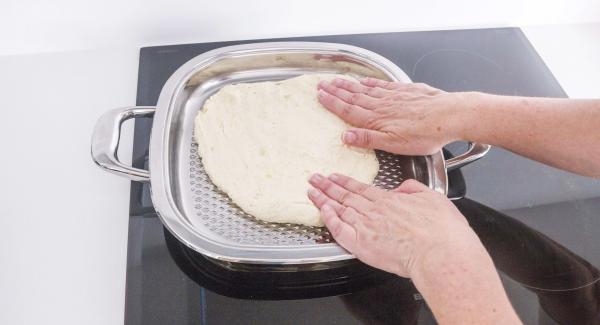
411 186
342 232
370 192
352 114
358 99
320 199
355 87
351 217
340 194
366 138
348 214
372 82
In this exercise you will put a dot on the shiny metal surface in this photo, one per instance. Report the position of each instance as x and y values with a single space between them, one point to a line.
105 141
204 218
474 152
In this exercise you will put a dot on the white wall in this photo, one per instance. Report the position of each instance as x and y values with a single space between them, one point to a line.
39 25
63 246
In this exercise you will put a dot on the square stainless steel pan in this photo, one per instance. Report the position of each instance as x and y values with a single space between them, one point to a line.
203 217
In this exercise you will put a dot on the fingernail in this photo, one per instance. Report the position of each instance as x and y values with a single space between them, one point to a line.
337 81
315 178
350 137
314 192
333 177
321 93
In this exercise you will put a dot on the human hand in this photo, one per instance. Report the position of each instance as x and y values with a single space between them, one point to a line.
390 230
402 118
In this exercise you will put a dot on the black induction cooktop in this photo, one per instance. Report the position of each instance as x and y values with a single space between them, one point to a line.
540 225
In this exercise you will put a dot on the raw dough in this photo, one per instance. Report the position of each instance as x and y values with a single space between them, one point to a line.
260 142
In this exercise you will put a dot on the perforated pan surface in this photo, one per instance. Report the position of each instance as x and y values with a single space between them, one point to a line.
220 215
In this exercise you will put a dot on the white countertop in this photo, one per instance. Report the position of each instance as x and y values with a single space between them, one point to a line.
64 221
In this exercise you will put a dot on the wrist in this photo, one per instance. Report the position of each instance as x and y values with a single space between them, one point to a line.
470 114
459 282
464 250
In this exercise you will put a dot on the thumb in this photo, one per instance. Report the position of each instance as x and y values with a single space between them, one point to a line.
365 138
411 186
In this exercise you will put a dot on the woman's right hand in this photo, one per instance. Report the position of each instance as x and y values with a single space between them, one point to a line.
402 118
398 230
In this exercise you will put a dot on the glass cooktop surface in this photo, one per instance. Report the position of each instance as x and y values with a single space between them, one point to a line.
540 225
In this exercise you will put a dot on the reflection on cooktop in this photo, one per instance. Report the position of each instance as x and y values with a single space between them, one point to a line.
272 284
435 66
527 255
567 286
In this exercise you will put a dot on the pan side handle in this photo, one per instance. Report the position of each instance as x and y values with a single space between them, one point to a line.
473 153
105 141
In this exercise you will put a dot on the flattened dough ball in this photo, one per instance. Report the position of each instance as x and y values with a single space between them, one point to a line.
260 142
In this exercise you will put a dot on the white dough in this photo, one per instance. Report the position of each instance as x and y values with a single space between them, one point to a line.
260 142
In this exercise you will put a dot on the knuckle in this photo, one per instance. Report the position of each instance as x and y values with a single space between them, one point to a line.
336 230
345 110
377 82
325 186
396 84
366 138
368 81
373 92
387 84
345 83
343 210
342 180
362 189
321 200
344 197
354 98
328 101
